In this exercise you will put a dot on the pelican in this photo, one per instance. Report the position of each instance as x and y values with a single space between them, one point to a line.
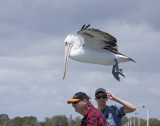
99 48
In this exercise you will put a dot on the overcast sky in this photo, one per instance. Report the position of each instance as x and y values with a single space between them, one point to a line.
32 34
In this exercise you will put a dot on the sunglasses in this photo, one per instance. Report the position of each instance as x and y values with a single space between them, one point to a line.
74 103
101 96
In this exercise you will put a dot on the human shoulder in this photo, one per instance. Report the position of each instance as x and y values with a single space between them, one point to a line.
116 106
93 110
110 108
118 109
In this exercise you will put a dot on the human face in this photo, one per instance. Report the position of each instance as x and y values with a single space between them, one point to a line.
101 98
79 105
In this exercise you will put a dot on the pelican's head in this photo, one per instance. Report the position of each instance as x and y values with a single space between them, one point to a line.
72 38
71 42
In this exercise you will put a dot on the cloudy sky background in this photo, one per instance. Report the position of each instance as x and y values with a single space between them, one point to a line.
32 34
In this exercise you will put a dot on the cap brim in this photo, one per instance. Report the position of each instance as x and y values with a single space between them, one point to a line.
72 100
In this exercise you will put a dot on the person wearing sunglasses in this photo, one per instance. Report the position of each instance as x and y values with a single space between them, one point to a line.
91 116
112 113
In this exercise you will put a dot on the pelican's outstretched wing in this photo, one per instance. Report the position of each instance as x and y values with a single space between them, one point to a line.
94 38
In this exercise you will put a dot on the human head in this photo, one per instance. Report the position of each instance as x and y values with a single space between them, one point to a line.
80 102
101 96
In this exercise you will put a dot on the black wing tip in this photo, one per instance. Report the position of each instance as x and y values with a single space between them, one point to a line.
84 27
132 60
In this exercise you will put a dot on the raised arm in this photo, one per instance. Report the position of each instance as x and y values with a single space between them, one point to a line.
128 107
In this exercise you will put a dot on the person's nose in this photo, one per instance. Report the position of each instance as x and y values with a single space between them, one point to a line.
101 98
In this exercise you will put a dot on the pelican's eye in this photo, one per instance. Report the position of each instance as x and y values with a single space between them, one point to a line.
65 43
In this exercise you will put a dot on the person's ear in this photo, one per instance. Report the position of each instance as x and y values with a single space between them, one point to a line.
85 100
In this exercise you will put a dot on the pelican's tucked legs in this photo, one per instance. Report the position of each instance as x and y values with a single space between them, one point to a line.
116 71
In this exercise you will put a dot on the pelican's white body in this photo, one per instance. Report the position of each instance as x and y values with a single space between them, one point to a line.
92 55
99 56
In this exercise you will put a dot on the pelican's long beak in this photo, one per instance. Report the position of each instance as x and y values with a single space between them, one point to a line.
66 58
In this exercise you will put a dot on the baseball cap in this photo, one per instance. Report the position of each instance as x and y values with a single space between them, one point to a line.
78 96
100 90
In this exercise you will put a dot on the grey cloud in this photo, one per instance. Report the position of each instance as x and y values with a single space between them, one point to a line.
32 52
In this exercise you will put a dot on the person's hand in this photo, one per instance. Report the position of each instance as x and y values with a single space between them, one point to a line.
110 95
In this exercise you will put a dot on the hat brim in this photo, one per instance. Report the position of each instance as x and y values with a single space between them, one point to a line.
72 100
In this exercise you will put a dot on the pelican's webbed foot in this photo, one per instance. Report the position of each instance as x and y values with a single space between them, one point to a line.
116 71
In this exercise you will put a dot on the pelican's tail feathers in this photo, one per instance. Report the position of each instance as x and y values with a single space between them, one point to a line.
132 60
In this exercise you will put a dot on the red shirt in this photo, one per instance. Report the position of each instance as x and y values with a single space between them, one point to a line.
93 117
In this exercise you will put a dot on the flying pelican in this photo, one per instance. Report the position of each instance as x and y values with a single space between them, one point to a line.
98 48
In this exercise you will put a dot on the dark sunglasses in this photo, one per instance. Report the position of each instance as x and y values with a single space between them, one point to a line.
76 102
101 96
